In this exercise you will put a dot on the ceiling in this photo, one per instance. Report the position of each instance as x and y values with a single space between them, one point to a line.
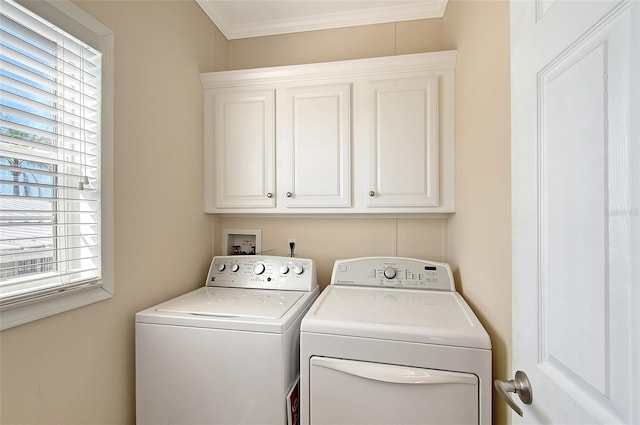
255 18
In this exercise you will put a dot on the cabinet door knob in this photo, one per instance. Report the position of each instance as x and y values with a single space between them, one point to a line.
269 195
372 193
289 194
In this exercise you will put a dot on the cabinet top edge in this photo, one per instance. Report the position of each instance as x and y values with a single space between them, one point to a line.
355 67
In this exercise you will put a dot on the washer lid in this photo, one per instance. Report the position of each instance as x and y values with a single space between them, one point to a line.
233 302
433 317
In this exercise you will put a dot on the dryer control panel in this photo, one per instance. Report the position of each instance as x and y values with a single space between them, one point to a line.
262 272
393 272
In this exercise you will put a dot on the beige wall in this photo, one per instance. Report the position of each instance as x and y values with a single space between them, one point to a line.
339 44
328 239
78 367
163 246
480 231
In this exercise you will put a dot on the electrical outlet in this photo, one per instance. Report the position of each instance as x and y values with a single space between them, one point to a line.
295 247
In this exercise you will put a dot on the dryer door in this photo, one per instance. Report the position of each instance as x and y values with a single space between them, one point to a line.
364 393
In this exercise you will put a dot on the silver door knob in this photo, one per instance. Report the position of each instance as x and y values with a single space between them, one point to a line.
289 194
372 193
269 195
519 385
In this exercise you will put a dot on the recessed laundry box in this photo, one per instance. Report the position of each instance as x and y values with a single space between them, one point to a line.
390 341
226 353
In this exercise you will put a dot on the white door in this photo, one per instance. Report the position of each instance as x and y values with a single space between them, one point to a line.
575 180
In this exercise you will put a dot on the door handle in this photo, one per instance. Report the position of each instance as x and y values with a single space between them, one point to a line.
394 374
519 385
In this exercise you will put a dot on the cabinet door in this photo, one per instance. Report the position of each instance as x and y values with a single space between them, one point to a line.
243 149
403 156
315 134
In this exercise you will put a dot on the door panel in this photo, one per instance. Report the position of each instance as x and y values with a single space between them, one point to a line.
573 220
573 197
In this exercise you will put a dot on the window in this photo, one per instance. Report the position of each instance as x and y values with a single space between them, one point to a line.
55 160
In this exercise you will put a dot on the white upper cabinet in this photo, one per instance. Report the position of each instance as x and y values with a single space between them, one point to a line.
314 132
240 165
361 136
403 153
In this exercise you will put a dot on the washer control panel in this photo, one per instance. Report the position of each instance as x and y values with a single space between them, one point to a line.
262 272
393 272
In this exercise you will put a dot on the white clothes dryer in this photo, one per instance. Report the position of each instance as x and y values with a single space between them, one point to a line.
226 353
390 341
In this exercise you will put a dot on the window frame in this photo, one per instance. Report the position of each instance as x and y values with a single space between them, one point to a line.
75 21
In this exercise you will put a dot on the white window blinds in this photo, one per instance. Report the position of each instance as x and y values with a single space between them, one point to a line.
49 158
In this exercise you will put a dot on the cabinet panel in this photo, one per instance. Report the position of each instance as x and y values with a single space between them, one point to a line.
403 157
244 126
315 131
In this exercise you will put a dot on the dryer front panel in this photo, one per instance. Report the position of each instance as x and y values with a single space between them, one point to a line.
365 393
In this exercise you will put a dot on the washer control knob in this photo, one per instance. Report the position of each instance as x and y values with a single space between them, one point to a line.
235 268
258 268
389 272
298 269
284 269
221 267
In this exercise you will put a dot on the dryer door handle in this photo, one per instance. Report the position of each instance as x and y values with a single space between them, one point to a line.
394 374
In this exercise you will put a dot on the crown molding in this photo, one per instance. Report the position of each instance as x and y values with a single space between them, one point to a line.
259 20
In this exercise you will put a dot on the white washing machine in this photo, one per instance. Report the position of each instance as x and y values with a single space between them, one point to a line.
226 353
390 341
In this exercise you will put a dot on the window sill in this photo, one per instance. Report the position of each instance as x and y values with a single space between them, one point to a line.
11 316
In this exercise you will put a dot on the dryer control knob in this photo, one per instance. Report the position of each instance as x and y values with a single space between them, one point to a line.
298 269
258 268
221 267
389 272
235 268
284 269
